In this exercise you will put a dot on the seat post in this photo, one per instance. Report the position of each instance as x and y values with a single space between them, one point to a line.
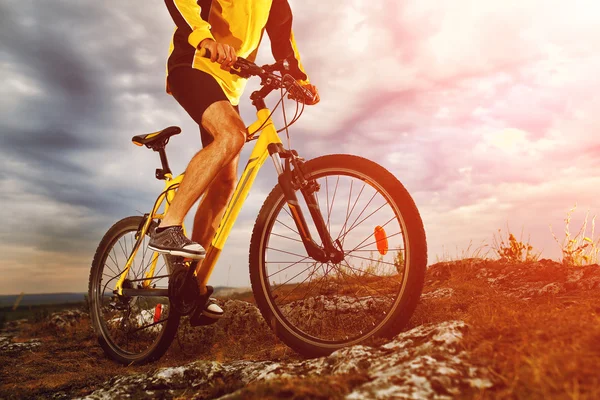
160 173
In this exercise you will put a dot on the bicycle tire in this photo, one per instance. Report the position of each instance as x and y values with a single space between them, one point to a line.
98 301
412 278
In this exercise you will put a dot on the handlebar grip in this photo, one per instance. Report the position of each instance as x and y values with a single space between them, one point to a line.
301 94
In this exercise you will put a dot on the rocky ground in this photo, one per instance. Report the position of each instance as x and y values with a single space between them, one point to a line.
425 362
483 329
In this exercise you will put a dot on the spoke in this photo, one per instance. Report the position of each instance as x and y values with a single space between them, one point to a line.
365 218
347 209
318 202
332 201
133 263
157 273
320 290
358 217
369 244
277 220
292 278
322 279
126 252
349 252
123 250
368 236
327 194
300 284
373 259
150 279
287 211
370 287
143 254
355 296
351 211
286 237
289 261
289 266
115 254
111 270
287 252
106 284
114 262
148 264
131 242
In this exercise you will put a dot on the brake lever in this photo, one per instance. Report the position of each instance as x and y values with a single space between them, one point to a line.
300 94
240 73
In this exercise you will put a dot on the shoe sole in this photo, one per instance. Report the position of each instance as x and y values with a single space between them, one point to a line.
180 253
209 314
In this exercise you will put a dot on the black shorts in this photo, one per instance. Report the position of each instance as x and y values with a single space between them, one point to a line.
195 91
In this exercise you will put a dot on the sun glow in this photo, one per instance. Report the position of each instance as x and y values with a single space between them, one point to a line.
510 140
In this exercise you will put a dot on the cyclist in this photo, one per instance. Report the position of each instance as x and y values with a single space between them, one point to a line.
210 95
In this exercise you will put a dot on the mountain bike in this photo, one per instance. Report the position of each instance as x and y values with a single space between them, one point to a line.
337 254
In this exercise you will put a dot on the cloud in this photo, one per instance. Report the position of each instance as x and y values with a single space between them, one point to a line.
485 111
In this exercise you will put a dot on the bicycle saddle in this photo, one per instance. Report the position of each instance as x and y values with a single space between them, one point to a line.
156 138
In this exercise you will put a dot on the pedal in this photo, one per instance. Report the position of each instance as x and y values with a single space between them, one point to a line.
204 315
183 291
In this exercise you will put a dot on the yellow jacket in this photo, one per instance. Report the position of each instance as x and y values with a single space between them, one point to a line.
238 23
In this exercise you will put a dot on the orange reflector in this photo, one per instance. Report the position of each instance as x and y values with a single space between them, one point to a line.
137 144
381 239
157 312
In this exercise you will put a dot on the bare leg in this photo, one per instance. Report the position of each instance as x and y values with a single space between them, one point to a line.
213 204
229 132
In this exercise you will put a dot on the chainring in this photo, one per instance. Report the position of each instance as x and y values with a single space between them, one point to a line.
183 291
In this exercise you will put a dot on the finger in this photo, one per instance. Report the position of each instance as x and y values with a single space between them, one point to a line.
213 52
224 60
226 64
222 54
233 56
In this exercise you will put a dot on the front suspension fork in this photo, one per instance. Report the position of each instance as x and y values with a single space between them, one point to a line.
292 180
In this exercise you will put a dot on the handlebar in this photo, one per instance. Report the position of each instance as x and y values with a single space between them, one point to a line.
269 80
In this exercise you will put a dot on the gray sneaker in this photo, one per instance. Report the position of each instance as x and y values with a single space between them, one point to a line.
173 241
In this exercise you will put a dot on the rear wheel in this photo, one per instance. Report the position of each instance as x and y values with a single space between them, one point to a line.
317 307
130 329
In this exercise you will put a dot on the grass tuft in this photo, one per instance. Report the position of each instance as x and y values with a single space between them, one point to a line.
581 249
513 250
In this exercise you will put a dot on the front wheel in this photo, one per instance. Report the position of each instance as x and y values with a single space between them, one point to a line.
317 308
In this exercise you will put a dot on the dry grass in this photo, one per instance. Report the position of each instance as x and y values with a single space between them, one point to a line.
581 249
541 348
513 250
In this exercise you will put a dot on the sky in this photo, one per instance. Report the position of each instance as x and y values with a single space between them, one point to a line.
487 112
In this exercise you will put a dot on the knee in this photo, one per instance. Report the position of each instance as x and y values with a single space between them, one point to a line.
231 137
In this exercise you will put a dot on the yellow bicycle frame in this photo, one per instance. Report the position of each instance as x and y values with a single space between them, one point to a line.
268 135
